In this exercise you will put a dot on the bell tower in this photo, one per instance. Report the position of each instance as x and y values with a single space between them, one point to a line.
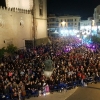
40 18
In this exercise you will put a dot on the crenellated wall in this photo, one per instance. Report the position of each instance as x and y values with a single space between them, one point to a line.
23 4
25 11
16 25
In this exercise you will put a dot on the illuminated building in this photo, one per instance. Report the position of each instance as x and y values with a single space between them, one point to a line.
67 22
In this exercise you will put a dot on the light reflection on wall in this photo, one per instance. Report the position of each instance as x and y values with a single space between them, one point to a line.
22 4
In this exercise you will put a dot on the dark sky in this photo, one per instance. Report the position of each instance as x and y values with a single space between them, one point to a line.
84 8
2 3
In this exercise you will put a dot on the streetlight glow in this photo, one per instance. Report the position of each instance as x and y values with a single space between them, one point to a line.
85 36
63 23
78 35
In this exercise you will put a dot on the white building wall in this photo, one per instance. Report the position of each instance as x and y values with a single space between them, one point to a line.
85 24
75 21
96 14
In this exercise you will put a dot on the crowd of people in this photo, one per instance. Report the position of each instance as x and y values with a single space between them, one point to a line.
22 74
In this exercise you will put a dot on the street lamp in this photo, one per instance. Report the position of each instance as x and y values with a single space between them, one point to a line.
63 30
78 35
63 23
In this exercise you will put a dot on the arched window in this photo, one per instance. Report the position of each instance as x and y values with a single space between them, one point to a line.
41 7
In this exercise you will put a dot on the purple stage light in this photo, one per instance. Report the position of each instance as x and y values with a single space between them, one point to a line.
93 46
88 46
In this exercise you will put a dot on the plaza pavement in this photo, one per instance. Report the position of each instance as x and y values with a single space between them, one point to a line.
91 92
55 96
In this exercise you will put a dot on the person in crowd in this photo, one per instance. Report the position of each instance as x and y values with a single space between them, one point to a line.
23 73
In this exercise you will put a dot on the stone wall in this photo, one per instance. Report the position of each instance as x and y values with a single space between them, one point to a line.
40 21
15 27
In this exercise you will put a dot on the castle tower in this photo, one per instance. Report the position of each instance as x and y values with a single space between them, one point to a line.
23 20
40 18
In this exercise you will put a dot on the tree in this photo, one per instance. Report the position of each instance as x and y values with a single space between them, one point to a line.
2 51
95 39
11 49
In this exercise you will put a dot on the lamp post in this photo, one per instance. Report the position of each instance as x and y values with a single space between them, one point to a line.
63 23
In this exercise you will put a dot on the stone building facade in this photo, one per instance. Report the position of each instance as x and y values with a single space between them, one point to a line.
18 25
67 22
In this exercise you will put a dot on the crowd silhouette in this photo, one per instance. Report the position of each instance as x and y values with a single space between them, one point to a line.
74 64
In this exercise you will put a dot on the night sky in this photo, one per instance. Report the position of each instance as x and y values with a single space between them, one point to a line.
2 3
83 8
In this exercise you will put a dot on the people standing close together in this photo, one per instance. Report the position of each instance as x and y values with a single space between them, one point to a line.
23 72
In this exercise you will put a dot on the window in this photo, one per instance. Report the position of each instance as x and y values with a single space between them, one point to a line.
57 20
56 24
41 12
67 20
41 7
71 24
21 22
97 17
75 23
75 20
71 20
68 24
